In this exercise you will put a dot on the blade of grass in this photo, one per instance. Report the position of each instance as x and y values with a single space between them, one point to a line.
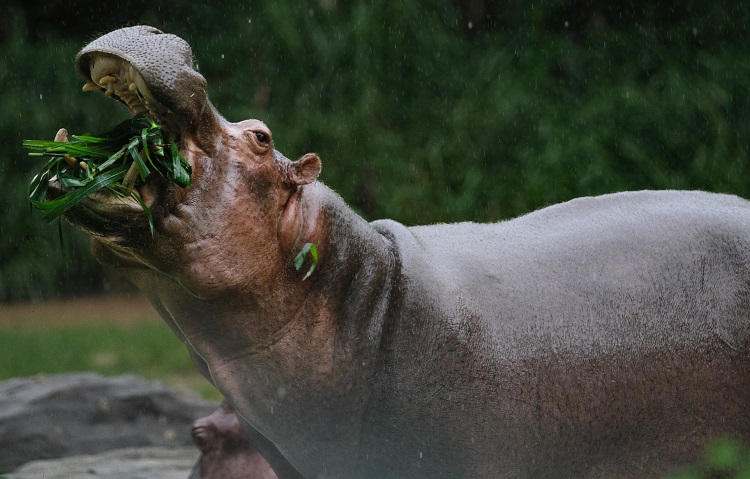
300 258
66 257
135 155
139 140
53 209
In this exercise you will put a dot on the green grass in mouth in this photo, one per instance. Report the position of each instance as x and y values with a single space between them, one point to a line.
88 163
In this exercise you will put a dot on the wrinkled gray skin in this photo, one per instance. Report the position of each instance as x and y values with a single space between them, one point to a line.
226 453
605 337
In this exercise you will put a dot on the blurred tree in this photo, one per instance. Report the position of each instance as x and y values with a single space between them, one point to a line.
422 110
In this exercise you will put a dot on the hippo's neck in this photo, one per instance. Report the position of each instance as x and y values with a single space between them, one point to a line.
321 351
320 369
356 271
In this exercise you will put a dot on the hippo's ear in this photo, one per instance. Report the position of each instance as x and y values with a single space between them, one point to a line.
305 170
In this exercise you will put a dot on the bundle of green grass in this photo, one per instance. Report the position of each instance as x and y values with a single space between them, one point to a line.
113 160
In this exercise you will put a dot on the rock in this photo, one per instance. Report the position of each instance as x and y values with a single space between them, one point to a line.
74 414
129 463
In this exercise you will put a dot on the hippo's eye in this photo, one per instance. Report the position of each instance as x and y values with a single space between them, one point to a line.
201 438
262 137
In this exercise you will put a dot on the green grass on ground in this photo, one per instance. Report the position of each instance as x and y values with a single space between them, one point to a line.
147 348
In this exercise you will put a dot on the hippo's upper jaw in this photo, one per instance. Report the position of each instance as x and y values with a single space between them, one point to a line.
151 72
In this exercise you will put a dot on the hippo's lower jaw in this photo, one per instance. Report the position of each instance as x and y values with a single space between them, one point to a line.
107 216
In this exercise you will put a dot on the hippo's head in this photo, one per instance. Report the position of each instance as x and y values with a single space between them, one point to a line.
242 188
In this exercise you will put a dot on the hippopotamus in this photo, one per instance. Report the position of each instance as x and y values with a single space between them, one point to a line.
604 337
226 453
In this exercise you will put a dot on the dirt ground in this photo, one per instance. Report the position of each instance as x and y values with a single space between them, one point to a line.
122 309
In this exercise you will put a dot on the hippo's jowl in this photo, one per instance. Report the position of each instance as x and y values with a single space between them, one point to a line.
601 338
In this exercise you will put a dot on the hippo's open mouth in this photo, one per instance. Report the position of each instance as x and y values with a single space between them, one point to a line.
151 73
106 211
117 78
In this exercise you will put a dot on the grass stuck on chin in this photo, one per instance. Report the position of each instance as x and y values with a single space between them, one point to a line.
115 160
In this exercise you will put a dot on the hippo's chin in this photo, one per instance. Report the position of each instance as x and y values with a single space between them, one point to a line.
105 215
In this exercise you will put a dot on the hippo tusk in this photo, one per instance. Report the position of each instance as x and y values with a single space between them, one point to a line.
91 86
131 175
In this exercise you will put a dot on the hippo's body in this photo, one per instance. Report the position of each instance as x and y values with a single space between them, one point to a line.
601 338
605 337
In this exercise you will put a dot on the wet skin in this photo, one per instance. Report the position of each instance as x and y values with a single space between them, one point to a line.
605 337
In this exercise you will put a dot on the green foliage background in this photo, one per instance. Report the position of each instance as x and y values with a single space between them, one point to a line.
422 110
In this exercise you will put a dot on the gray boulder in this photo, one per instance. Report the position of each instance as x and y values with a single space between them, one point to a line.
75 414
129 463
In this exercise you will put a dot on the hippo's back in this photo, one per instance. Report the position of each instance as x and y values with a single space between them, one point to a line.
597 333
582 264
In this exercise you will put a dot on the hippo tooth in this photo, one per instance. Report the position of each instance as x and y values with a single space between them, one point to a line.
143 90
129 180
91 86
61 135
132 72
155 108
120 78
108 79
